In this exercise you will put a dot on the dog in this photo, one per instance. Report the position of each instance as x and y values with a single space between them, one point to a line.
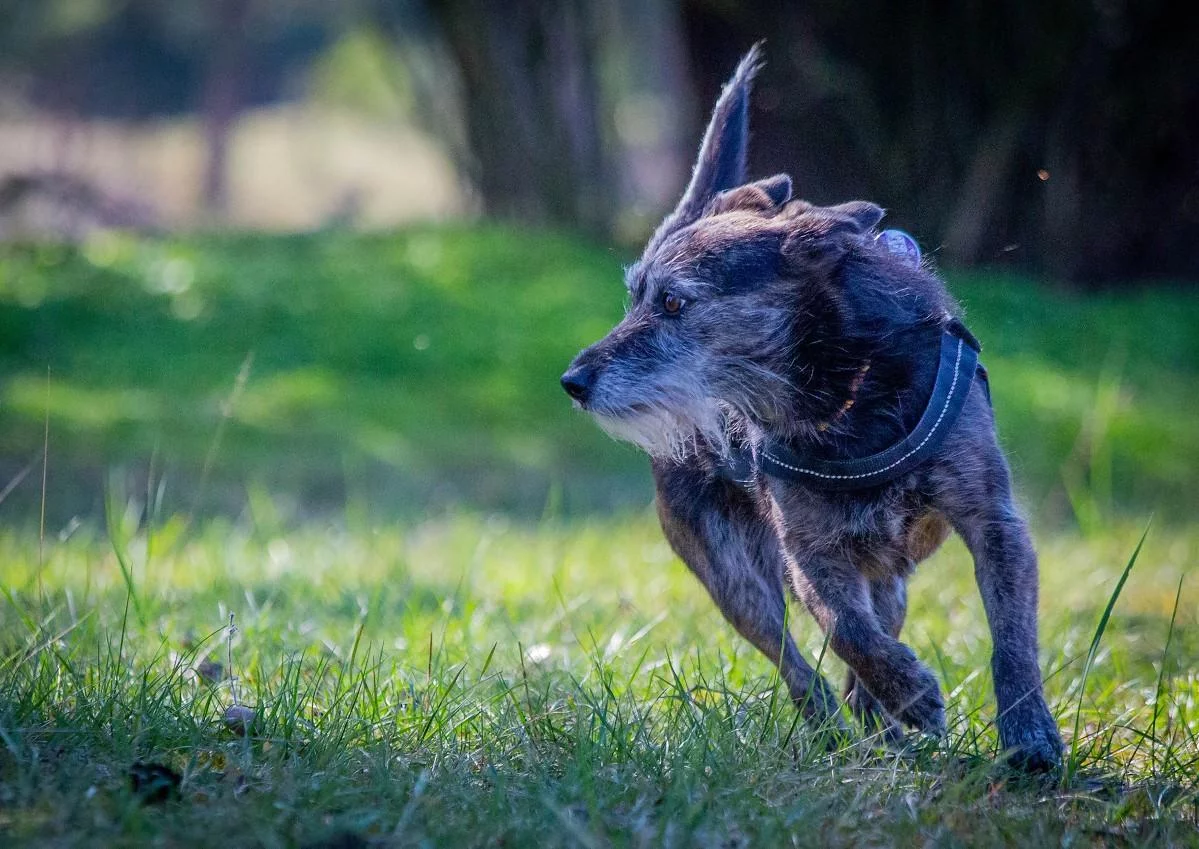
816 419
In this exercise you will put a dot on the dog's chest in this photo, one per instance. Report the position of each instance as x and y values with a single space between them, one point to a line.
881 535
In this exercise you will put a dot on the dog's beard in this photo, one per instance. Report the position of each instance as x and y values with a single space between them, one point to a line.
675 412
675 432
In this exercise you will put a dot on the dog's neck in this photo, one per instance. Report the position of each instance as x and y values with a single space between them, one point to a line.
855 386
859 389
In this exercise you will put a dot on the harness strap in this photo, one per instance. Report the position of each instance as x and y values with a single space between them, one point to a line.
957 369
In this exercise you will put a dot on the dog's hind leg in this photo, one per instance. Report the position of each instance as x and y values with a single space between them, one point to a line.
889 598
714 527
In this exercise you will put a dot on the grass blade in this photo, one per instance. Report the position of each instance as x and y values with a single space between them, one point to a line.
1159 690
117 540
1072 763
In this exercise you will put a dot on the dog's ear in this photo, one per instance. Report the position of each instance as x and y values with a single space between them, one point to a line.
820 236
863 214
762 196
777 188
721 162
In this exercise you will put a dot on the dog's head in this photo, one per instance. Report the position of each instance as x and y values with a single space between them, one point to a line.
718 300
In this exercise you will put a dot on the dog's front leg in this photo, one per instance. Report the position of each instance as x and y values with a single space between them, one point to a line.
1005 567
975 495
714 527
889 598
839 596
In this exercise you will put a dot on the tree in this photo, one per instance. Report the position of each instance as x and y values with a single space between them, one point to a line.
147 59
534 112
1054 135
224 93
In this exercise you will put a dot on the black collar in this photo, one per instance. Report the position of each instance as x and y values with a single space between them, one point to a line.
956 371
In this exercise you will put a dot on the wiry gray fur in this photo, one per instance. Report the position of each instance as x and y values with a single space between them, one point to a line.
752 316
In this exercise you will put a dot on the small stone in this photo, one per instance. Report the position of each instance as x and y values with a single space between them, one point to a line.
239 719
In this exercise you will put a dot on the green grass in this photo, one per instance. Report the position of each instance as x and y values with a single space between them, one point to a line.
456 621
477 682
415 369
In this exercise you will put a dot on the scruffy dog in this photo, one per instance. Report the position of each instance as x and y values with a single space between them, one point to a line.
815 418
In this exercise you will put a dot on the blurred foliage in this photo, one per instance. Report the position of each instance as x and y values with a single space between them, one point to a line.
148 59
408 371
427 361
1051 136
361 72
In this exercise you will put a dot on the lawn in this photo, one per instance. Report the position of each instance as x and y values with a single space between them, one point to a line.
455 621
475 681
415 371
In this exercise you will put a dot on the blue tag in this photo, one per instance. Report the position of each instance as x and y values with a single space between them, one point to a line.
902 245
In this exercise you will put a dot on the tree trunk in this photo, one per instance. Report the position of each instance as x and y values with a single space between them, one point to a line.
223 86
534 108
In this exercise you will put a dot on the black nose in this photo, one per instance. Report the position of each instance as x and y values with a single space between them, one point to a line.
578 381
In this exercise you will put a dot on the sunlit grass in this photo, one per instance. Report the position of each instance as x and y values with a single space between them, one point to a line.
473 679
465 677
421 367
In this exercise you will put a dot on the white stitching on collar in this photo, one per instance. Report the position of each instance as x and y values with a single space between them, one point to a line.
928 436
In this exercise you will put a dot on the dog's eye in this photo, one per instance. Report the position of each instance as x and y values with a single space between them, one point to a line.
672 303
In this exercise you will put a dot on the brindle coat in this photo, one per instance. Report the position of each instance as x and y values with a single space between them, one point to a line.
757 316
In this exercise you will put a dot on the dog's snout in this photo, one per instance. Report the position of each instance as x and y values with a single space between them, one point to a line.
578 381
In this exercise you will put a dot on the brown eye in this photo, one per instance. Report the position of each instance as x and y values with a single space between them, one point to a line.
672 303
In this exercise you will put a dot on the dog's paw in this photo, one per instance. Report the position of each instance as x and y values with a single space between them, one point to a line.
1031 743
925 709
876 722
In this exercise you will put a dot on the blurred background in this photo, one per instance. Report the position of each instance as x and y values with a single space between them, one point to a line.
303 256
